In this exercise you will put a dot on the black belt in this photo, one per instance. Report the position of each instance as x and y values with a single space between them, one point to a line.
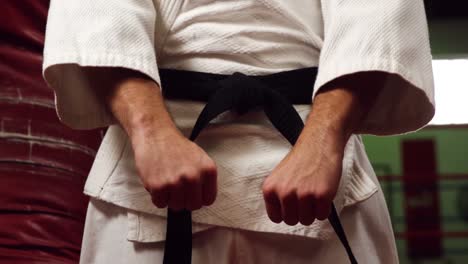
275 94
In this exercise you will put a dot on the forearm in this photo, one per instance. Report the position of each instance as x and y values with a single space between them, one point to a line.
311 172
340 107
175 171
135 101
138 105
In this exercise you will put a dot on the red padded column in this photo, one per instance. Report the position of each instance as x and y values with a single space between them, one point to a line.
420 183
43 164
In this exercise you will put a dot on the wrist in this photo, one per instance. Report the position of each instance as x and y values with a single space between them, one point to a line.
326 135
139 107
156 131
337 111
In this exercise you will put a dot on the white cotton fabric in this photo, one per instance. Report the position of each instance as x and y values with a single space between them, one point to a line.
245 150
250 36
255 37
367 226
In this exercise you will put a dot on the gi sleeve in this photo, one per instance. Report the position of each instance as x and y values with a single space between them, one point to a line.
387 36
101 33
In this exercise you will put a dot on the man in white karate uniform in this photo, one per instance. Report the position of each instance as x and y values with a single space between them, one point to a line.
254 198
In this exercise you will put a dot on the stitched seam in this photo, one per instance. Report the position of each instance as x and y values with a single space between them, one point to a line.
138 225
274 6
115 167
169 30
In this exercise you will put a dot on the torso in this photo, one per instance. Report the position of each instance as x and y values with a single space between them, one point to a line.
249 36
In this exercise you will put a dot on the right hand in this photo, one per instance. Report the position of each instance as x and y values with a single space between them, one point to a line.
176 172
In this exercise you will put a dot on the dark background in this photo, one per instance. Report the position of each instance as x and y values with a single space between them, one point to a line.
448 9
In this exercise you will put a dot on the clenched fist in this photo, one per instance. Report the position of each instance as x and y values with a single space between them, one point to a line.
176 172
302 187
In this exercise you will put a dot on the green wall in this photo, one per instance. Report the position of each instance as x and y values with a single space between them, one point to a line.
452 158
451 146
449 38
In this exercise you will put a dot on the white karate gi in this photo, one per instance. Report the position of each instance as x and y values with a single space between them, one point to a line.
254 37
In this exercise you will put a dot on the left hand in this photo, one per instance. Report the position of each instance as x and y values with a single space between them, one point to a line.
302 187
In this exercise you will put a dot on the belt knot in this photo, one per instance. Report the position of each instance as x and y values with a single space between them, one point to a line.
246 92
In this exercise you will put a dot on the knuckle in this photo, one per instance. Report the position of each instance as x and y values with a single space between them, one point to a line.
323 194
158 186
210 166
190 175
304 194
172 183
286 192
268 186
152 186
191 178
269 190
